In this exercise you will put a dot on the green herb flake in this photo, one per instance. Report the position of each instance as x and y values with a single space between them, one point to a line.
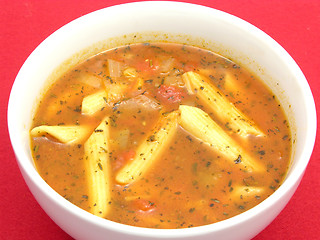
77 109
36 148
191 210
98 130
152 138
272 187
194 168
238 160
189 138
100 166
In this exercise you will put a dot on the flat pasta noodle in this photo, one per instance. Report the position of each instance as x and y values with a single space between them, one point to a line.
97 167
93 103
64 134
150 149
212 98
199 124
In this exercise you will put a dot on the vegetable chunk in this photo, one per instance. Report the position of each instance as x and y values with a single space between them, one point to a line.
94 102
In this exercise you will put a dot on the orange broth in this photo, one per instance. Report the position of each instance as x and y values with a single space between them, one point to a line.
190 184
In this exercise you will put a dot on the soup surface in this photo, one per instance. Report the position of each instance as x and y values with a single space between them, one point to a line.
161 135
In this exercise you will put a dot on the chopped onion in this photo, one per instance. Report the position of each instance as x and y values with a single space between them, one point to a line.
115 68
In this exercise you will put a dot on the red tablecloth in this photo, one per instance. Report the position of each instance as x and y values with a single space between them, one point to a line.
295 24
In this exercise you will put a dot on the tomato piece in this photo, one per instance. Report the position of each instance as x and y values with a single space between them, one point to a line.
148 65
123 158
170 94
129 155
143 205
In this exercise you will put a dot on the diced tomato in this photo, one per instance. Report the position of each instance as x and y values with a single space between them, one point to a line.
170 94
143 205
128 155
123 158
148 66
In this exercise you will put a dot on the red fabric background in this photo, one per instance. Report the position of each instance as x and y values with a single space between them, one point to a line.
295 24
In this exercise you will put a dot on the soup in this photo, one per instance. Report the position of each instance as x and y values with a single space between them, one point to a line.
161 135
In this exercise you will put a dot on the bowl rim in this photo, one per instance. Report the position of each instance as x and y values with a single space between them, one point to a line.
288 184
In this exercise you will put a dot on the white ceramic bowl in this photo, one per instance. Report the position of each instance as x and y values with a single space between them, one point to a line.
182 22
